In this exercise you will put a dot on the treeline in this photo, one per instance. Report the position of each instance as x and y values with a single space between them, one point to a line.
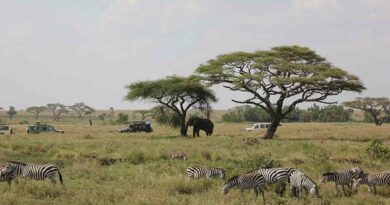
57 110
330 113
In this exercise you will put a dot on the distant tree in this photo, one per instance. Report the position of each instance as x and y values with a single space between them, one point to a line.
81 109
36 110
377 108
112 112
56 109
246 113
284 76
143 113
11 112
178 94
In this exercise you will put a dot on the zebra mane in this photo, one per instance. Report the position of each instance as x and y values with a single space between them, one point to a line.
233 178
328 174
16 162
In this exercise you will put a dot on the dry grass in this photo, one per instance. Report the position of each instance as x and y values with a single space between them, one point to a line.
145 174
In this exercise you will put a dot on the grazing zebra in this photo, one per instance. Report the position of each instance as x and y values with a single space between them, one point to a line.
372 180
199 172
299 181
276 176
33 171
7 177
342 177
247 181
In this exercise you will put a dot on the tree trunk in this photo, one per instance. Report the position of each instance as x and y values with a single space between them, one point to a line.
183 127
377 121
272 129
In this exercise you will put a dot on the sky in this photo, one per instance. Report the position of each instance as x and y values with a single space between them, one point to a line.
71 51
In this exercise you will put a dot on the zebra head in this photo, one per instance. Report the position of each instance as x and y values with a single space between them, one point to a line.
356 184
315 191
356 172
229 184
6 170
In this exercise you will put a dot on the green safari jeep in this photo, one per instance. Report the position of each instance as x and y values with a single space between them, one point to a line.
38 128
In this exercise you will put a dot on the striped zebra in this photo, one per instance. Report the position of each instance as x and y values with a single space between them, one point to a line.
342 177
200 172
300 182
276 176
372 180
33 171
247 181
6 177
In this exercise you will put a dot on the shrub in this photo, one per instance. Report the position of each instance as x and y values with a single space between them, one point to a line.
122 118
23 122
377 151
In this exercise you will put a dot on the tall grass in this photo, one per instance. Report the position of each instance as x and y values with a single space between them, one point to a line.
145 175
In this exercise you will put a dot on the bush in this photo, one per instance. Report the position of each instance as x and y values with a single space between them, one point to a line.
122 118
23 122
377 151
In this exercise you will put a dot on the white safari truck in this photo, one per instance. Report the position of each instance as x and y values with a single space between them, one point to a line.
6 130
258 125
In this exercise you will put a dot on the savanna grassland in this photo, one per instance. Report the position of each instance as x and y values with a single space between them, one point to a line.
146 175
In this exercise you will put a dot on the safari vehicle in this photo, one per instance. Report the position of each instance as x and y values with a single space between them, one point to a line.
258 125
42 127
137 126
6 130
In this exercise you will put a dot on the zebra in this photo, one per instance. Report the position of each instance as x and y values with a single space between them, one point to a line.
372 180
33 171
342 177
7 177
246 181
299 182
199 172
276 176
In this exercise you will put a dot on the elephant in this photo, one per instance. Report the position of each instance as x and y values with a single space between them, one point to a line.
200 124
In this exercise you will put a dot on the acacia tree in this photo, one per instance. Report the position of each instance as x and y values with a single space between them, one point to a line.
36 110
178 94
11 112
377 108
143 113
284 76
56 109
81 109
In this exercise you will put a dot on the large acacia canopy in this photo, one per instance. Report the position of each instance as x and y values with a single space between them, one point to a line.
272 76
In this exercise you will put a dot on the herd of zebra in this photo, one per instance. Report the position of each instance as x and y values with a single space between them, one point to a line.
13 169
299 181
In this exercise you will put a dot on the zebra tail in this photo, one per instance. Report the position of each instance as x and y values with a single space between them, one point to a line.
60 176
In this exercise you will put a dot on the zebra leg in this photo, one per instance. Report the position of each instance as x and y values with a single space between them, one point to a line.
345 194
282 188
256 193
374 188
369 188
293 191
262 193
241 193
53 181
